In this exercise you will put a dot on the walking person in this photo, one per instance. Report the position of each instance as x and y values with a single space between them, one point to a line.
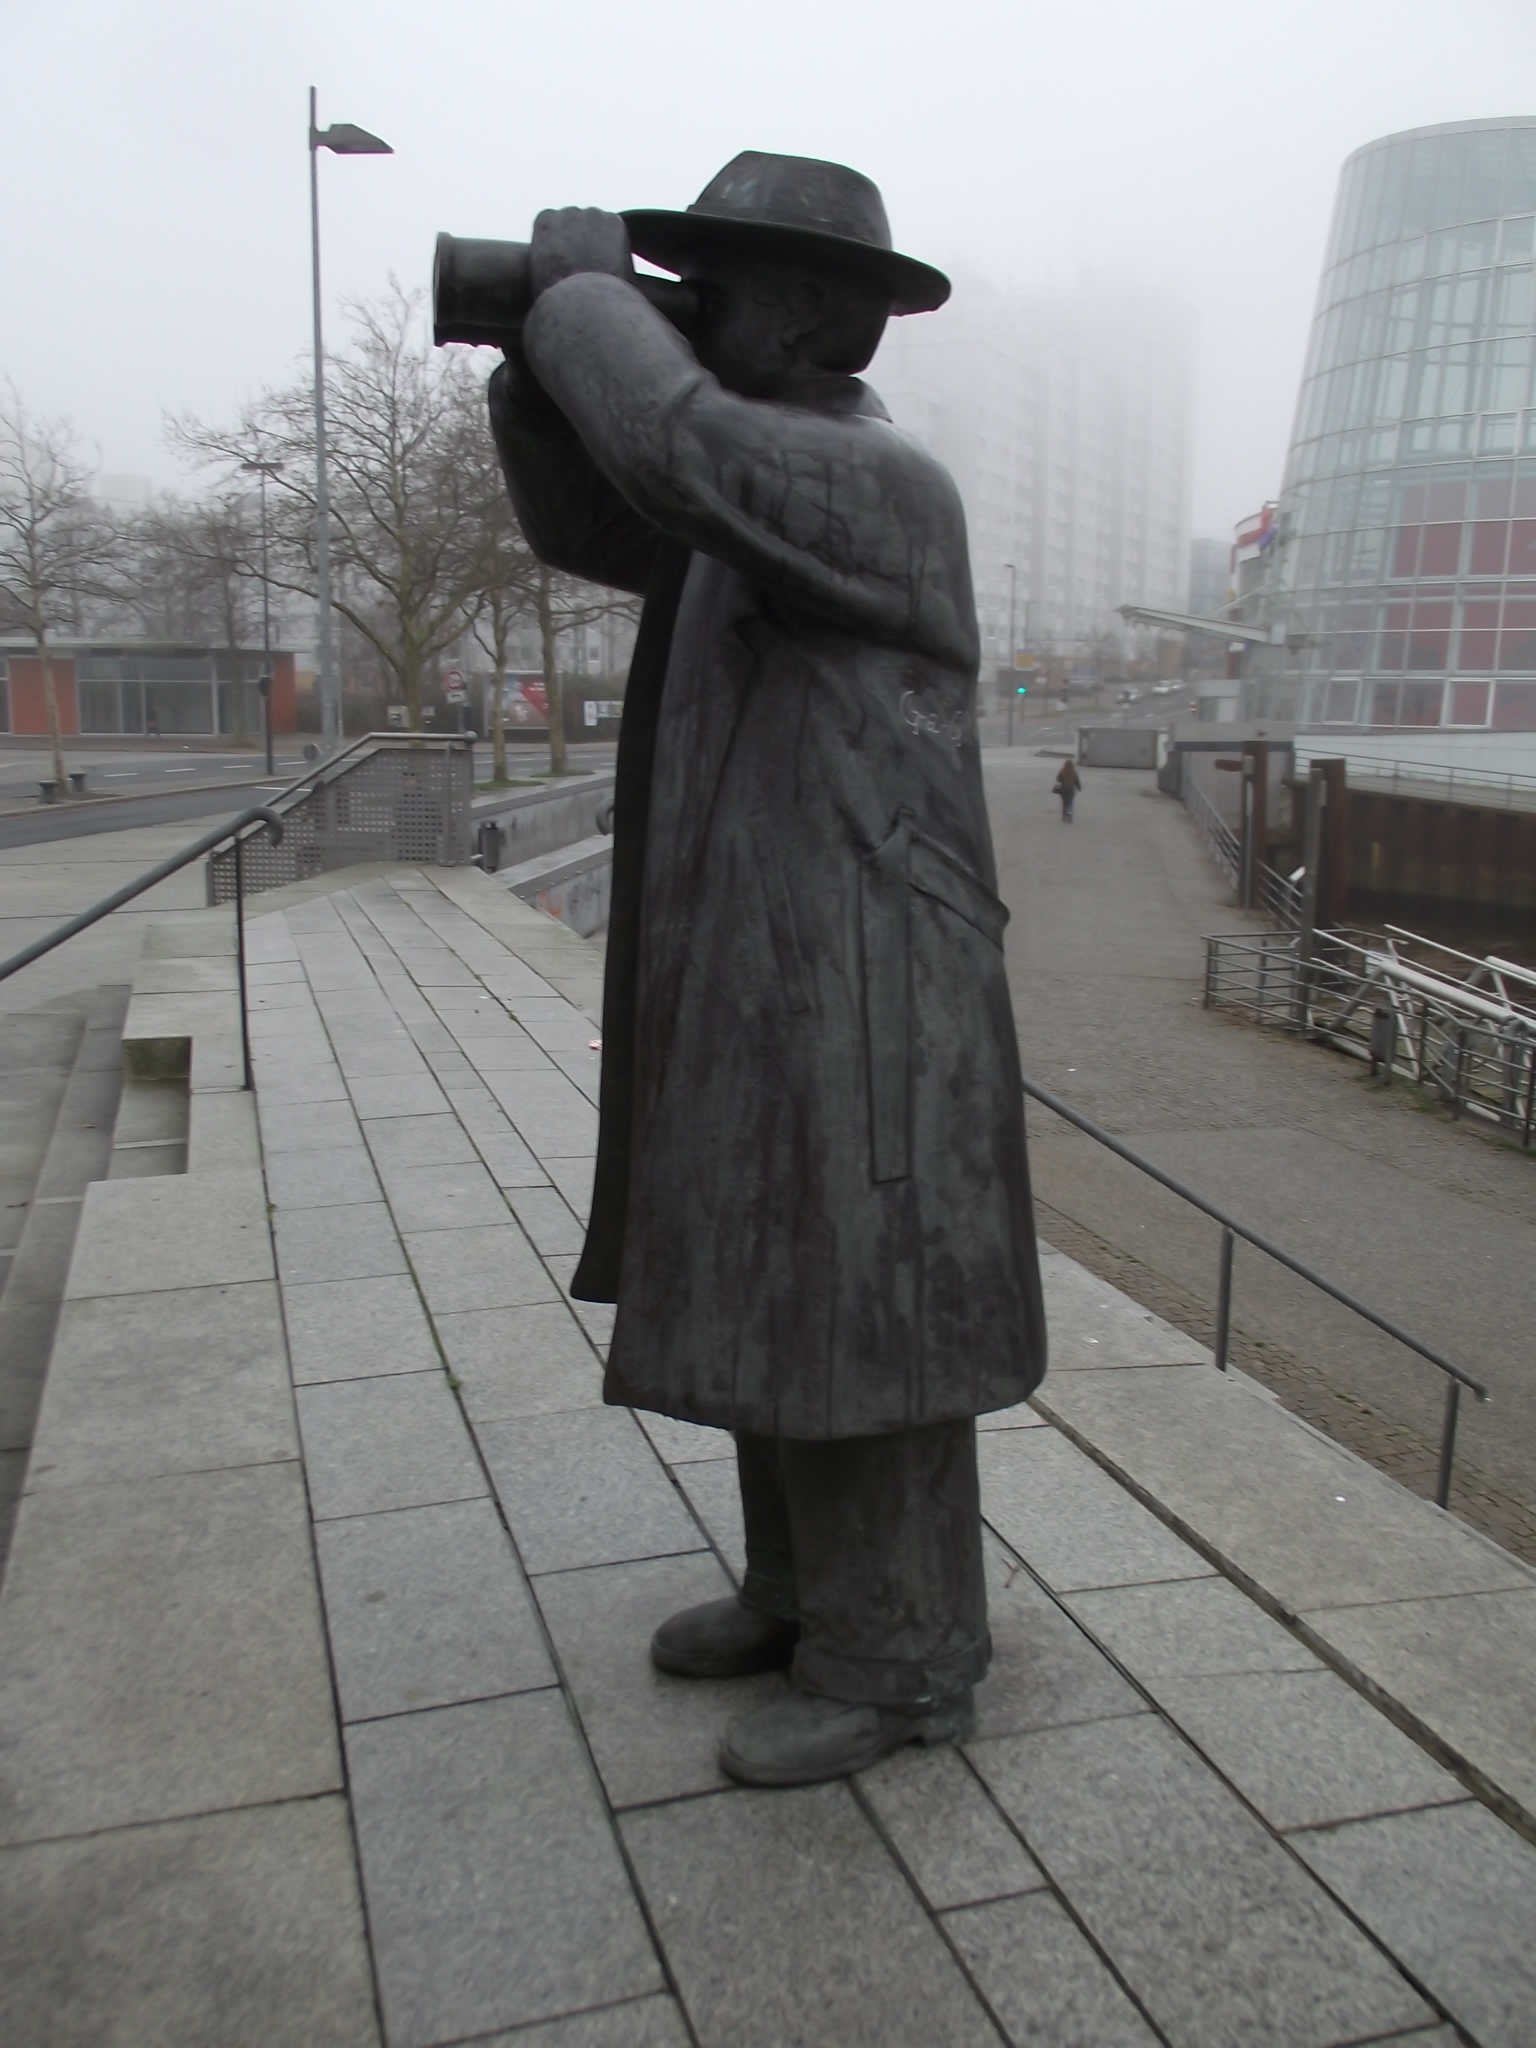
1068 782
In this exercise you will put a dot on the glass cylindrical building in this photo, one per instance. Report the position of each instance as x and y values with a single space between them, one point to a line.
1404 578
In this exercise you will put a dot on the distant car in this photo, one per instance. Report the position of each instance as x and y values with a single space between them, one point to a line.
1165 689
1129 697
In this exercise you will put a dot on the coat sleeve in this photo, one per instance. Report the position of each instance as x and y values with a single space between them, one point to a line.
841 515
572 516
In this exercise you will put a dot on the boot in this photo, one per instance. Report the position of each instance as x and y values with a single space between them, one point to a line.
805 1738
723 1639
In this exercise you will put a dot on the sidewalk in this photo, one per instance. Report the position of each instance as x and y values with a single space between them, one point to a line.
325 1709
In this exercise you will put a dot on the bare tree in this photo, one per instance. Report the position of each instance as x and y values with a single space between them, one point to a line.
196 563
562 604
56 544
508 593
414 489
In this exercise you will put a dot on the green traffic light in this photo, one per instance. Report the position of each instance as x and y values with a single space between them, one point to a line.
1023 689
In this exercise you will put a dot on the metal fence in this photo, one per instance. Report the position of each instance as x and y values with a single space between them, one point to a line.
1279 896
1462 1028
387 797
1221 841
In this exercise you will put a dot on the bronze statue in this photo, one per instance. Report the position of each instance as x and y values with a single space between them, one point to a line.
812 1200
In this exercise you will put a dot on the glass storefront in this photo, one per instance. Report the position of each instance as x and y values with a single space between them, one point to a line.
1407 555
171 692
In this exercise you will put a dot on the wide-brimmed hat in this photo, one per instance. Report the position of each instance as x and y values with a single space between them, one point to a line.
794 206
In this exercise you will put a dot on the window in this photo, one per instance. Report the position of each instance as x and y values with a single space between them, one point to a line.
1429 643
1518 239
1498 433
1490 547
1469 704
1514 302
1339 703
1441 550
1478 640
1506 375
1384 697
100 705
5 694
1368 560
1522 548
1514 707
1517 641
1420 704
1392 642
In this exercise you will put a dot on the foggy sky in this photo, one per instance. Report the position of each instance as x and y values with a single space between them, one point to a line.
155 176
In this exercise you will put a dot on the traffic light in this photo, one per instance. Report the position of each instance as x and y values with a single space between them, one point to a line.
1023 689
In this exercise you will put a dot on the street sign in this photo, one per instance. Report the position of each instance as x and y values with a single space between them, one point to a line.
453 686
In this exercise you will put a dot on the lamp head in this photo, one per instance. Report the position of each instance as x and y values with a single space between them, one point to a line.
343 138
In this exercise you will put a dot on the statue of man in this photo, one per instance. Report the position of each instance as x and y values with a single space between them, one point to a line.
812 1201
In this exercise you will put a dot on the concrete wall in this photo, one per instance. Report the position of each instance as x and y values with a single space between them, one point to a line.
577 889
1413 849
539 821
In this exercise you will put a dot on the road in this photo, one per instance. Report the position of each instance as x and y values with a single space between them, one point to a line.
117 771
1433 1223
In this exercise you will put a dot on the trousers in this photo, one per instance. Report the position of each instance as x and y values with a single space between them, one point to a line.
873 1545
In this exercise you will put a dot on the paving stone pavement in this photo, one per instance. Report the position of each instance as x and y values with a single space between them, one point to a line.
1175 1823
1114 1858
1432 1222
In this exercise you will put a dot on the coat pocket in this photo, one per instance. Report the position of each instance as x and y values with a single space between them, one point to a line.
885 916
935 872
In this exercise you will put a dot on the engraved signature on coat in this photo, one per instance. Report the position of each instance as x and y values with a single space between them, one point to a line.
930 724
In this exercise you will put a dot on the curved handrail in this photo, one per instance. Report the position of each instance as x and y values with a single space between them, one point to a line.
231 829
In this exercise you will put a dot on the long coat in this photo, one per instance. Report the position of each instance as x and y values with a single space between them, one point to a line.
812 1200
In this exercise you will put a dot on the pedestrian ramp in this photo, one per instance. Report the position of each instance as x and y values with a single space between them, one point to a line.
325 1709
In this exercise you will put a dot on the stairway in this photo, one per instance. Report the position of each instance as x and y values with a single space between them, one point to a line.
60 1082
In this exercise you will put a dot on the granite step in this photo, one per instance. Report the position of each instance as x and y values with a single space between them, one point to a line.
62 1077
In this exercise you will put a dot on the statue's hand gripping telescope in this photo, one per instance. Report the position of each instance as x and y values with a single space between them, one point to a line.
482 293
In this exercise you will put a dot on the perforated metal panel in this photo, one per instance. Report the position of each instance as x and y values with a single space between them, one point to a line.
399 801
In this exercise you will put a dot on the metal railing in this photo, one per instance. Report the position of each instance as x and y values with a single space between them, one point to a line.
1280 896
386 796
1487 787
1470 1040
233 833
1222 842
1231 1229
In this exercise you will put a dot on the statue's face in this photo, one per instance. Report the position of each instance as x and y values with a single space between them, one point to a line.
763 324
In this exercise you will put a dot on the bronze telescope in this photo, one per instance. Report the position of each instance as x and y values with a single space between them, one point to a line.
481 293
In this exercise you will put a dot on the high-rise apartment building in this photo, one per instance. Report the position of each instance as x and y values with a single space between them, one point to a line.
1064 418
1403 579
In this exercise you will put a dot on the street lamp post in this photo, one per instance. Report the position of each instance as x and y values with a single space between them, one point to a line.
1012 692
342 139
263 471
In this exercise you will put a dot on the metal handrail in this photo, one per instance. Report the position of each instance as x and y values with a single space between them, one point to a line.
1232 1229
1225 847
323 771
1485 784
236 830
